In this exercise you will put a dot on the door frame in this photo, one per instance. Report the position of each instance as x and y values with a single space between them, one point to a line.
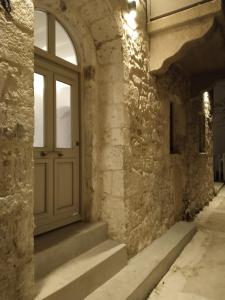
60 70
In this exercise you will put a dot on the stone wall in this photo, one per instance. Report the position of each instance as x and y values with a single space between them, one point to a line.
155 178
219 118
160 187
200 187
129 177
125 123
16 166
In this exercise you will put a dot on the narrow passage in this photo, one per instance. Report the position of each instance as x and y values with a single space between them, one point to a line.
199 272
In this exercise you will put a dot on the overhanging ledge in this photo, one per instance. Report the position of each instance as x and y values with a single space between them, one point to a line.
171 35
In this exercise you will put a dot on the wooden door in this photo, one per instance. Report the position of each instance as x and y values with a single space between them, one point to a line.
56 147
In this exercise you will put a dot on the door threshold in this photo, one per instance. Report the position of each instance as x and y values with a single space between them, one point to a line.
48 227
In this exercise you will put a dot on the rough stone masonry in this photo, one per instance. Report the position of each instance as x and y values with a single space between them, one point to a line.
130 179
16 162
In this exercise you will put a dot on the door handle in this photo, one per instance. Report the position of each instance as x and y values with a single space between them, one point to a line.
43 153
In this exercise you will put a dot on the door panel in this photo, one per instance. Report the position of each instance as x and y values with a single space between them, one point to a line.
42 183
43 167
56 150
66 136
65 190
41 194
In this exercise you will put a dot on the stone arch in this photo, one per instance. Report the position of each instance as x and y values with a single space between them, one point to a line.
93 28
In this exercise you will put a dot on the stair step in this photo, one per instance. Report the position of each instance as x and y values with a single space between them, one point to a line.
146 269
57 247
218 187
82 275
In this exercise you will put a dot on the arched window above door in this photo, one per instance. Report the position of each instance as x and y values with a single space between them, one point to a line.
51 36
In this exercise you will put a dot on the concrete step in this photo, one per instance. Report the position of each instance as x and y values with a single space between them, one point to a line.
82 275
57 247
145 270
218 187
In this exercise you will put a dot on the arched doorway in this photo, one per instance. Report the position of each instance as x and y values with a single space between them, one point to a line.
56 133
98 42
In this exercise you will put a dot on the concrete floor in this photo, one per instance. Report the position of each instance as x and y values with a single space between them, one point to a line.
199 272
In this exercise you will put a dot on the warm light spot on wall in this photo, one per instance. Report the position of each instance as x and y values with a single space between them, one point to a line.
206 103
130 24
131 32
130 19
132 8
206 98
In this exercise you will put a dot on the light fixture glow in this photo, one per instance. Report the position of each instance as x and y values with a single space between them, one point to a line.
131 32
132 6
132 3
133 14
206 104
130 20
206 99
130 24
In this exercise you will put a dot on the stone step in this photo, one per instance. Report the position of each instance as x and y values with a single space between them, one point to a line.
57 247
83 274
146 269
218 187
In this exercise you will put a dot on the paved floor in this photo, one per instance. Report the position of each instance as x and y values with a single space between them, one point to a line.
199 272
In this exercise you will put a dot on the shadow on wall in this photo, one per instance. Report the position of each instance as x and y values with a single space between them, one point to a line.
219 129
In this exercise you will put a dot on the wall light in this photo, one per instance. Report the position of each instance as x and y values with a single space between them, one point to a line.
132 8
6 5
129 14
206 99
206 104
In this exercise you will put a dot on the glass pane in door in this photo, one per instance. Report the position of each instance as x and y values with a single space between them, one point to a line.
39 87
63 115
